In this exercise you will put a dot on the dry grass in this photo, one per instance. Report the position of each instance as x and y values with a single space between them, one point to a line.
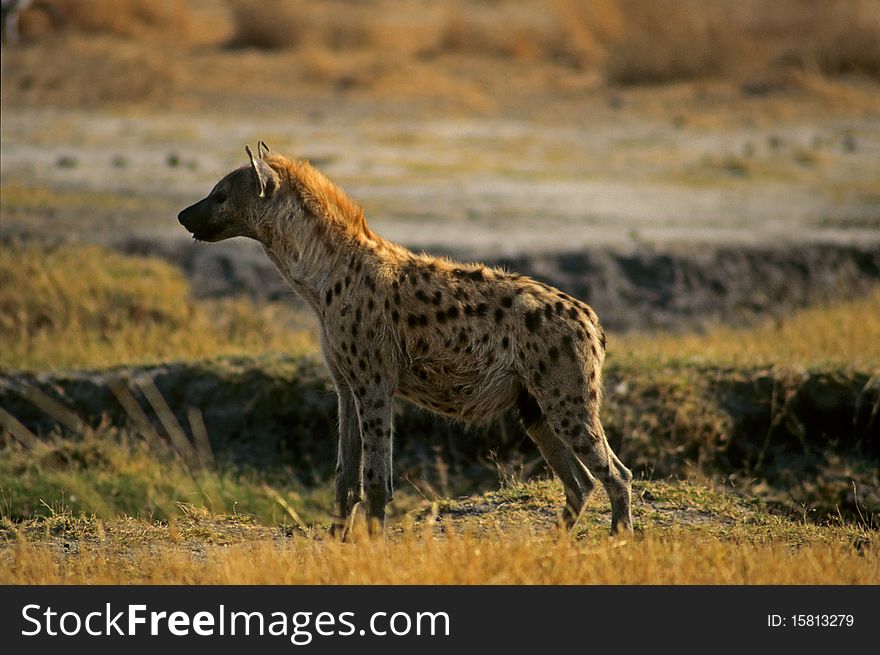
126 18
635 41
671 40
844 335
456 560
203 549
79 306
82 306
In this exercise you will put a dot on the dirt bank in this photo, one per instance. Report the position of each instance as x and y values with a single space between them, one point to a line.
640 288
808 440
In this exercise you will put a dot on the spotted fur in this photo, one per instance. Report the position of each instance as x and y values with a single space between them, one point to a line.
463 340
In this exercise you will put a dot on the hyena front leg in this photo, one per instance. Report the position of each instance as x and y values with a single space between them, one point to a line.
375 414
349 462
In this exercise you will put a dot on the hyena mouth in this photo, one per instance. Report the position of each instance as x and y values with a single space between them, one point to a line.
205 236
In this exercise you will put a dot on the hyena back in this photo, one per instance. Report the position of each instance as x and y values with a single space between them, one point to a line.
466 341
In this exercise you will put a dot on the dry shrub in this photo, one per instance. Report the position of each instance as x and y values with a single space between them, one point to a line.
88 72
127 18
668 40
288 24
475 32
568 31
267 25
844 38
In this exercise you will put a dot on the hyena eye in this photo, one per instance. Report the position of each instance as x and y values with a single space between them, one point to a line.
220 197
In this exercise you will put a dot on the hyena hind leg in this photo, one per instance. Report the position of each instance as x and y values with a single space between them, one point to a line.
587 438
575 477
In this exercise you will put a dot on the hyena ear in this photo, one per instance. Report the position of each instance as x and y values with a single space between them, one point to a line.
266 177
262 149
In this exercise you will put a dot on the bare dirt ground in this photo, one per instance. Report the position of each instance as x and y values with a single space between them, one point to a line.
500 186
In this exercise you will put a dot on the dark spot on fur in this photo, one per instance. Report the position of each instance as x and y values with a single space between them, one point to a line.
452 312
421 295
499 315
437 298
505 342
548 311
411 320
481 309
395 316
559 307
506 301
533 320
329 297
370 304
567 345
475 275
440 315
337 287
397 297
423 320
573 312
553 353
542 366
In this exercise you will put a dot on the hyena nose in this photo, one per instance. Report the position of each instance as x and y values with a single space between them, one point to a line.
185 218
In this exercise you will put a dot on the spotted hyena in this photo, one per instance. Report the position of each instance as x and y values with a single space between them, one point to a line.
463 340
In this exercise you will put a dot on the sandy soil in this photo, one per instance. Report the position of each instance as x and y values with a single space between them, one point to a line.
485 185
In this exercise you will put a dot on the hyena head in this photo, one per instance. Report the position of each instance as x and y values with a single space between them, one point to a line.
235 204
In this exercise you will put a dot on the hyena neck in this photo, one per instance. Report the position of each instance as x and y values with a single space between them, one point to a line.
314 256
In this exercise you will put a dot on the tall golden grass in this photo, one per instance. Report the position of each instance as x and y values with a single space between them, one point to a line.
844 334
420 558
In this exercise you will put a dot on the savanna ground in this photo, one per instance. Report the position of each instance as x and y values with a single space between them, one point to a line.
165 419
